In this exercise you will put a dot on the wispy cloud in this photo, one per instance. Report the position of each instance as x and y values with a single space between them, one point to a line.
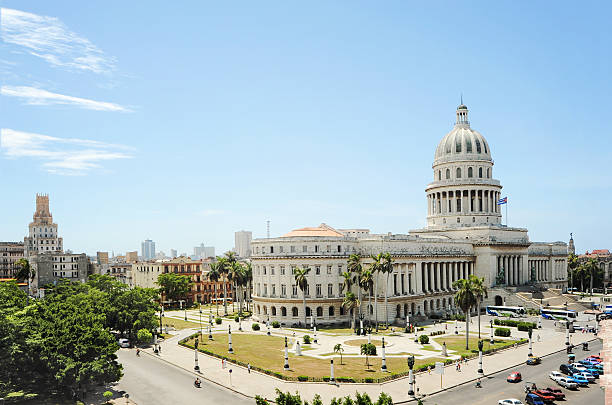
49 39
36 96
64 156
210 212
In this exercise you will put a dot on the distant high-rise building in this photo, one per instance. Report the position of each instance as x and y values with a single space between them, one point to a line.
102 257
242 243
43 232
148 249
10 253
131 257
173 253
203 252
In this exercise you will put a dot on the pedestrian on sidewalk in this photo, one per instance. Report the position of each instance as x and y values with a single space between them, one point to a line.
249 367
159 349
539 338
429 370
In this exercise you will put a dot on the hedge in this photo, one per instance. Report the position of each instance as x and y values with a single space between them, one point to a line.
505 332
524 326
255 326
275 324
424 339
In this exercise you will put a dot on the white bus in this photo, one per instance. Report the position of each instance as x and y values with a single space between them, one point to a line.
513 312
567 315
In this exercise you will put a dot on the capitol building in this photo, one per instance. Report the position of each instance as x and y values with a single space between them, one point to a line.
464 235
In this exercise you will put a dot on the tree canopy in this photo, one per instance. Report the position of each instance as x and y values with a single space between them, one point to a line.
174 286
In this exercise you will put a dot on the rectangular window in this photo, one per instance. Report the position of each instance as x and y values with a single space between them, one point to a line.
329 269
283 290
273 290
339 269
318 290
292 269
271 249
340 288
304 249
329 248
266 291
339 249
458 205
292 249
264 272
272 270
294 289
282 270
330 290
280 249
317 270
316 248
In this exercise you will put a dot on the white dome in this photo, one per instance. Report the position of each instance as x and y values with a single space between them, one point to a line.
462 142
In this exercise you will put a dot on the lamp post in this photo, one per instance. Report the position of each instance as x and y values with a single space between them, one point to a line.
331 372
315 333
195 351
185 310
200 319
210 327
155 343
530 333
268 326
384 359
480 358
456 332
286 367
361 316
408 322
491 339
239 323
567 342
411 376
161 315
229 339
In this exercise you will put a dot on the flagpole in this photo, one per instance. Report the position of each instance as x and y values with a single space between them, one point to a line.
506 213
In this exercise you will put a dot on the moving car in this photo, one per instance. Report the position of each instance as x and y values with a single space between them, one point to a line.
556 392
532 361
533 399
509 401
544 396
514 377
124 342
568 383
555 375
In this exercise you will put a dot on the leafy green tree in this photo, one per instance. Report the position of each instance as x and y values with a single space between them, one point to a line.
466 299
302 283
144 335
174 286
339 349
480 290
368 349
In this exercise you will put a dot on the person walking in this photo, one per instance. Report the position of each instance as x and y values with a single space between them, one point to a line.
459 367
429 370
249 367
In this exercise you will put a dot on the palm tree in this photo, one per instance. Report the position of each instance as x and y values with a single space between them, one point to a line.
248 277
386 267
351 302
213 276
302 282
591 267
355 268
465 298
237 275
581 273
367 282
339 349
480 290
223 270
572 264
231 260
348 281
375 268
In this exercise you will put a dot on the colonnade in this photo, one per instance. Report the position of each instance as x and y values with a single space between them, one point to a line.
513 269
541 269
440 276
463 202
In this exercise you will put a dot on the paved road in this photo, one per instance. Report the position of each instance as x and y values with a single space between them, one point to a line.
495 386
150 381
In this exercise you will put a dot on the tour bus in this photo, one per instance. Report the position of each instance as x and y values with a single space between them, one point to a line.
567 315
514 312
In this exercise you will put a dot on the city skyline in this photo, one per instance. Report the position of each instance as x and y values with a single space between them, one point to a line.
276 121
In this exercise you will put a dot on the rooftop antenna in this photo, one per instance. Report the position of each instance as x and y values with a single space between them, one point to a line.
268 228
461 98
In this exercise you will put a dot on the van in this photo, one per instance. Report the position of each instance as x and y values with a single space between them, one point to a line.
124 342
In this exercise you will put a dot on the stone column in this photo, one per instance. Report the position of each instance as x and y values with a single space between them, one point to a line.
505 267
437 276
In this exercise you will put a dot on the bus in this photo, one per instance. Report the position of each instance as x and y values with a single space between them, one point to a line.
564 314
513 312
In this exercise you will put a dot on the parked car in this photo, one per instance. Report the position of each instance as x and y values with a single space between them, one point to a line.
582 368
590 377
124 342
532 361
588 362
555 375
567 369
567 382
514 377
544 396
509 401
580 380
533 399
556 392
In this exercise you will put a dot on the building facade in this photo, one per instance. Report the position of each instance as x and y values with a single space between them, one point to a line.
465 235
147 249
242 243
43 236
604 258
10 253
51 268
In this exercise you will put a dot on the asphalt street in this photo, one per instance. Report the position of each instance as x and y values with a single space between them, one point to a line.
495 387
150 381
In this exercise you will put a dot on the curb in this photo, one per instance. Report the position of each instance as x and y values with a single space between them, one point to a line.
474 379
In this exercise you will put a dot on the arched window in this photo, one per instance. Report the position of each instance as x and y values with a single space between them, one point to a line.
480 172
319 311
273 311
294 312
470 172
265 310
258 309
458 145
458 172
425 306
439 175
398 311
488 173
438 303
330 311
447 174
283 311
477 145
308 312
468 145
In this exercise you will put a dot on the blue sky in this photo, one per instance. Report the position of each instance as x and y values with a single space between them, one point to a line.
185 124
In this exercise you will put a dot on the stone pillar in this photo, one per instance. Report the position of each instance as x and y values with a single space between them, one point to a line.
331 371
229 339
384 359
505 267
286 366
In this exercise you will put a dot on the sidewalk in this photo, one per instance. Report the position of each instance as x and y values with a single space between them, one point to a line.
260 384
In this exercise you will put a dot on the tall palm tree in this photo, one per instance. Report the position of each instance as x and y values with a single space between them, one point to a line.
302 282
572 264
351 302
223 270
355 268
386 267
214 275
367 283
581 273
339 349
465 298
591 267
237 276
480 290
376 268
347 283
231 260
248 275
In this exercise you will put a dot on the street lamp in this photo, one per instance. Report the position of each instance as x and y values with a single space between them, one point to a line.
161 315
196 367
411 375
200 319
491 339
185 310
361 316
530 333
480 358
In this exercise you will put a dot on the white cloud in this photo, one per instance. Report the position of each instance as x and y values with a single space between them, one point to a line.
211 212
49 39
64 156
36 96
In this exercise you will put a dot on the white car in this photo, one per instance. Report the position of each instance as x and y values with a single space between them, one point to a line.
567 383
555 375
586 375
509 401
124 342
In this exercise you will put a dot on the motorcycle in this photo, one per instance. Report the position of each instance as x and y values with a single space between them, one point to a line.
197 383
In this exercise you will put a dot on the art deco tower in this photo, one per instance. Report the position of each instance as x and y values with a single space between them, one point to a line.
43 236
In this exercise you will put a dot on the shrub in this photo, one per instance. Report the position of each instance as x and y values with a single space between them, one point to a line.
420 329
502 332
144 335
218 320
307 339
237 318
525 326
302 378
369 380
107 395
255 326
275 324
424 339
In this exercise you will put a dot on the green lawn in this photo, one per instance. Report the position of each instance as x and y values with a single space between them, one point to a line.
457 343
182 324
267 352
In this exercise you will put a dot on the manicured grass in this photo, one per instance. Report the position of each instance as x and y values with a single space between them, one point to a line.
359 342
457 343
267 352
182 324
